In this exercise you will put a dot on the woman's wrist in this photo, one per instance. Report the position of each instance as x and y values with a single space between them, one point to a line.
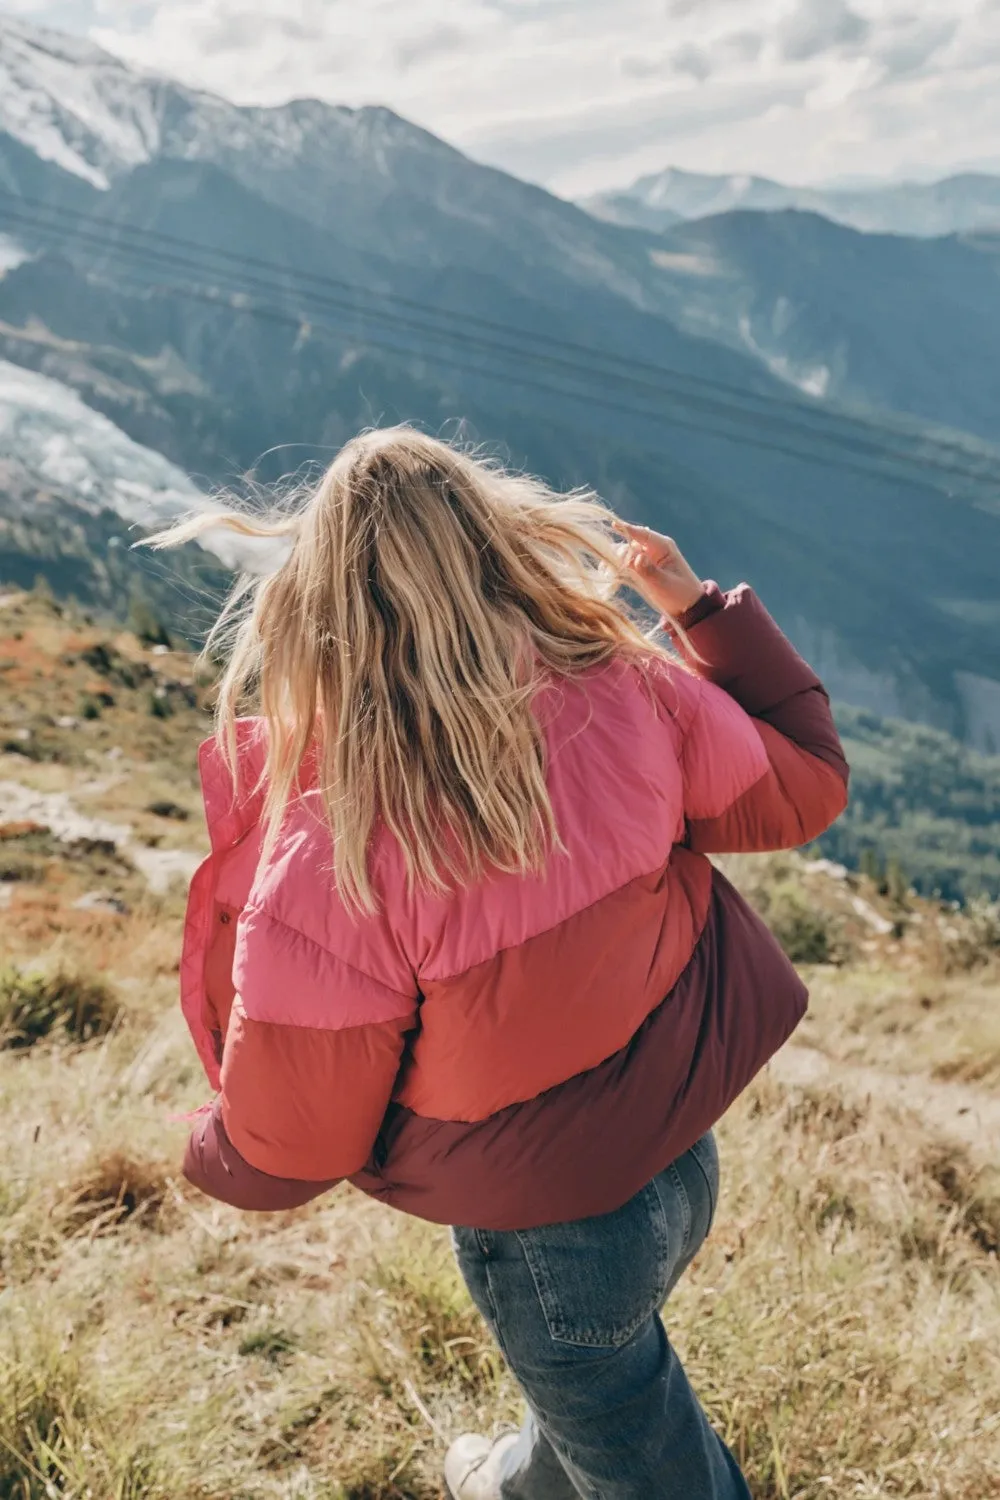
710 599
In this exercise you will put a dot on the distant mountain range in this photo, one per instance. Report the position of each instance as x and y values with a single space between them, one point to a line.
237 288
967 203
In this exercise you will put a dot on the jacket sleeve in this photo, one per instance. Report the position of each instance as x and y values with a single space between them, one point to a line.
762 761
302 1101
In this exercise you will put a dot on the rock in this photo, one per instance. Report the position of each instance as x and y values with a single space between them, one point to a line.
825 867
868 914
161 867
54 811
101 901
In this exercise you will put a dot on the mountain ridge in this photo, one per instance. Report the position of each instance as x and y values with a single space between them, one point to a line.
958 203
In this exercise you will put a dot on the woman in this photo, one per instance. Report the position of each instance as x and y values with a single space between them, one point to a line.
458 940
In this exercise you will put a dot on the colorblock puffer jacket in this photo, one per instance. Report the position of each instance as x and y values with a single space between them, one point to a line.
533 1049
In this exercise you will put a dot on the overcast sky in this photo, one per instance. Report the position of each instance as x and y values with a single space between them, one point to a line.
584 94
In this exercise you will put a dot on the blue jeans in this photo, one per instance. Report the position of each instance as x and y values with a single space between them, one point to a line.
575 1310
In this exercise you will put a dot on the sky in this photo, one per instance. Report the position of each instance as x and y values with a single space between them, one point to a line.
583 95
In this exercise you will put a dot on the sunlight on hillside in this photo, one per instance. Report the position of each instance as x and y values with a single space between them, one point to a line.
842 1324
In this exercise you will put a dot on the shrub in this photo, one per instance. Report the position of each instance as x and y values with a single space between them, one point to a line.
160 705
34 1006
144 623
114 1189
975 938
52 1443
38 1409
167 809
807 934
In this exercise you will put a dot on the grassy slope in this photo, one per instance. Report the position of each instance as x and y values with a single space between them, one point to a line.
843 1324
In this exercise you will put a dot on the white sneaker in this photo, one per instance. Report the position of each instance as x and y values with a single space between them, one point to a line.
472 1467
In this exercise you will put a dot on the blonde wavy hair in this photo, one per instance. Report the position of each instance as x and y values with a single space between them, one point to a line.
426 597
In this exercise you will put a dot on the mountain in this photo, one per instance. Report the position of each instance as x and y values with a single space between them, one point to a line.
380 185
876 321
968 203
243 289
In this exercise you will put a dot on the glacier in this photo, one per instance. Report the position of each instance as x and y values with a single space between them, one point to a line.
52 442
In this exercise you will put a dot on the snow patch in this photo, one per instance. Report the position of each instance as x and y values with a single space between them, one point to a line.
55 811
72 104
12 255
812 381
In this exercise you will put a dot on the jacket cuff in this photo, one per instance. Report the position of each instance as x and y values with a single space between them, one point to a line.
712 599
213 1164
741 648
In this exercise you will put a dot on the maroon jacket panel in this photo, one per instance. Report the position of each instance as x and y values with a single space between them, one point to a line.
213 1164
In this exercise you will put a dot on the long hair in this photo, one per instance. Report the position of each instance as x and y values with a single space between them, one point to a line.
426 597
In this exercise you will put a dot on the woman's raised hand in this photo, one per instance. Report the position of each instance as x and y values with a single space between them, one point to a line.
657 569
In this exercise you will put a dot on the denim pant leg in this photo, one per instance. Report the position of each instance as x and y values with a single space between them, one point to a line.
575 1310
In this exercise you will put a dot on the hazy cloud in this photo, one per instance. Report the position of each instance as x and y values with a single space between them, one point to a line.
434 42
693 61
582 94
740 46
817 26
911 44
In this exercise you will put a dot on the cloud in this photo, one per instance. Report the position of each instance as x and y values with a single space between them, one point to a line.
817 26
911 44
740 46
693 61
548 150
583 94
435 41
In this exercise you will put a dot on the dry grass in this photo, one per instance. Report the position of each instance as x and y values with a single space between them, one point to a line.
944 1026
842 1325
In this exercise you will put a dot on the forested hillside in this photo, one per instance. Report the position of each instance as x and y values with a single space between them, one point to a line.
924 810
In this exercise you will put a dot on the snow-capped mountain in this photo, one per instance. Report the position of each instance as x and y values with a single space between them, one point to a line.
74 104
967 203
77 106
